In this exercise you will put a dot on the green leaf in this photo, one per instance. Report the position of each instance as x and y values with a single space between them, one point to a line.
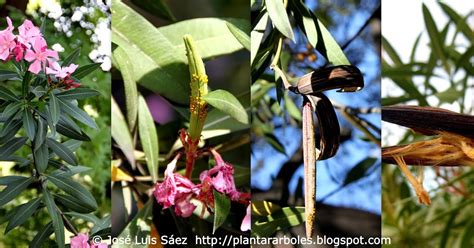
71 57
56 218
62 151
85 70
121 133
221 209
6 94
155 7
29 124
77 93
134 229
74 189
67 171
77 113
12 146
148 137
305 22
436 41
24 212
7 75
69 129
328 46
359 170
227 103
11 109
131 96
393 55
450 95
275 143
256 36
41 158
41 132
279 220
71 203
10 179
159 54
241 32
54 108
42 235
277 12
14 189
458 20
10 128
72 144
294 111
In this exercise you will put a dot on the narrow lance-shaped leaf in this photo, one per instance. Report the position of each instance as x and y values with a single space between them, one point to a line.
29 124
435 38
77 93
42 235
54 108
148 137
6 94
23 213
62 151
74 189
241 32
77 113
221 208
11 109
85 70
131 96
41 158
256 36
58 224
227 103
121 134
71 57
12 146
14 189
277 12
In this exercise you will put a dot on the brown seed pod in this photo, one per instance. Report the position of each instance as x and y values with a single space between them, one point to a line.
346 78
328 125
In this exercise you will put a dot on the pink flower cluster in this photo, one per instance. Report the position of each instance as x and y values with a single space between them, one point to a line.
82 241
30 45
178 191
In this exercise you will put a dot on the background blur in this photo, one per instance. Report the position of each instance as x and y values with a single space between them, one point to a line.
71 24
348 185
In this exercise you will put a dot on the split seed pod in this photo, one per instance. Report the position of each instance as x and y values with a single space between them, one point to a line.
346 78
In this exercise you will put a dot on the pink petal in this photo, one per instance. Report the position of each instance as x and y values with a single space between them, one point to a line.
39 43
245 226
35 67
51 54
80 241
184 207
30 55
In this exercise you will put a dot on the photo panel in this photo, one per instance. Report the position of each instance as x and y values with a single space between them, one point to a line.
315 121
428 123
54 123
180 122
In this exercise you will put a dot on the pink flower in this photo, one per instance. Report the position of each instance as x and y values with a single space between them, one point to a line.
245 226
177 191
39 55
222 179
60 72
7 41
28 33
18 51
80 241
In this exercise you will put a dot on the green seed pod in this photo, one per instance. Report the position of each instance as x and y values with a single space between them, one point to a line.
346 78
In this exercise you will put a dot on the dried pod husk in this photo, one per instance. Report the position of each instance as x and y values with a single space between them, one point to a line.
429 120
447 149
309 158
346 78
328 125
